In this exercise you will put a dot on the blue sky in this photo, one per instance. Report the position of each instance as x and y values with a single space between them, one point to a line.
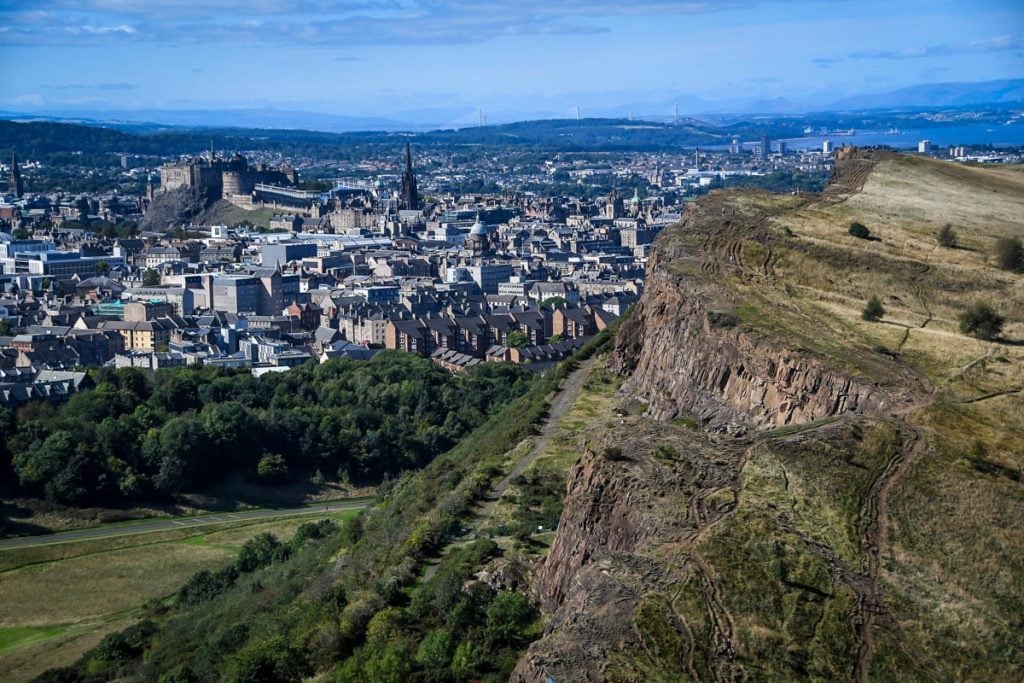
446 58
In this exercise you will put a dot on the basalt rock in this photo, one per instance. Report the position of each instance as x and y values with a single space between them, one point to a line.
684 360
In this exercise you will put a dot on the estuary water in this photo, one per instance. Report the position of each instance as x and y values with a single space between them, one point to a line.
997 135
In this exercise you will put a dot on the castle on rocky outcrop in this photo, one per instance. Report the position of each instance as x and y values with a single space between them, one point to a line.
222 178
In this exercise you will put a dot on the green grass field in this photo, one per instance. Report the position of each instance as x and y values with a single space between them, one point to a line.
57 601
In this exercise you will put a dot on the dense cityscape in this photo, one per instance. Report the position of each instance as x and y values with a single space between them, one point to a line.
502 257
364 341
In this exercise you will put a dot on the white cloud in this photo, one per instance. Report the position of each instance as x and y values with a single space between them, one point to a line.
326 22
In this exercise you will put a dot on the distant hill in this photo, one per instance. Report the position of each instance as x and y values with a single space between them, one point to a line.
38 139
938 95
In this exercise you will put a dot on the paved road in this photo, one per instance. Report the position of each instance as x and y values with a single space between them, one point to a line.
177 523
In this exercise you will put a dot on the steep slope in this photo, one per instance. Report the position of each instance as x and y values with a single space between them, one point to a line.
798 492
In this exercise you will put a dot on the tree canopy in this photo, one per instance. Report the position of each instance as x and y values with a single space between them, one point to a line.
142 436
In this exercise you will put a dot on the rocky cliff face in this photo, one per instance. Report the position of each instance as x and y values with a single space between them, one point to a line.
624 503
635 511
686 359
700 542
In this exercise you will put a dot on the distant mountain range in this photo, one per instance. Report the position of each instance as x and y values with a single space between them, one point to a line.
938 95
934 95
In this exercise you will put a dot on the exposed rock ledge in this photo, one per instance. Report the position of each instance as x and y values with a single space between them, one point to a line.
681 364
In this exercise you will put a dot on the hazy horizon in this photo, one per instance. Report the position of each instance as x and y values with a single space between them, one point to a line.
440 62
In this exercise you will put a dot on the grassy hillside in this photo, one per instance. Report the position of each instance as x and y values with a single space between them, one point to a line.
223 212
58 601
950 571
885 545
382 599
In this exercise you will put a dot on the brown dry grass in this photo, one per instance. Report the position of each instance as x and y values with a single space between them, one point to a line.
952 576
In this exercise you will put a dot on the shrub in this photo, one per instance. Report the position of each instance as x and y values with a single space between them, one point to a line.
859 230
259 551
435 652
508 616
946 236
272 468
273 659
981 321
205 585
469 660
722 319
873 310
1010 254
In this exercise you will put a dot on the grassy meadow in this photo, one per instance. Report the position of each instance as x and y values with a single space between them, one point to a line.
58 601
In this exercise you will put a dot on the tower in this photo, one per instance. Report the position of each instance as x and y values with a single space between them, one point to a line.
410 197
15 185
614 208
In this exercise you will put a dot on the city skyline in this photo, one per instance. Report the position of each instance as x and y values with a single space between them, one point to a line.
441 62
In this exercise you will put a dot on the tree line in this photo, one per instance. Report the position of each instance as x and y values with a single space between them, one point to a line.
140 436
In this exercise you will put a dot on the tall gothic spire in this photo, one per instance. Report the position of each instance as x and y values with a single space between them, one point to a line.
15 185
410 198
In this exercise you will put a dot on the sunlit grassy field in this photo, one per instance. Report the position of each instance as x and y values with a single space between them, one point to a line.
58 601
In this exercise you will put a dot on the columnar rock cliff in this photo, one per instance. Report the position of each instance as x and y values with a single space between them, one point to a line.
681 362
700 541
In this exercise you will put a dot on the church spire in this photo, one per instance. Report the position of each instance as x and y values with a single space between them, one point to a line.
410 198
15 185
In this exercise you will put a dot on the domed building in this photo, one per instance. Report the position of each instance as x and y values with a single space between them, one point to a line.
478 242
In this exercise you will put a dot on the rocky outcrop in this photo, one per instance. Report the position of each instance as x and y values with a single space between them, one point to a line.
595 574
686 359
600 515
627 501
635 508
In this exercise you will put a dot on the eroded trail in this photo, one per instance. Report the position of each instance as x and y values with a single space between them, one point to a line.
560 404
726 666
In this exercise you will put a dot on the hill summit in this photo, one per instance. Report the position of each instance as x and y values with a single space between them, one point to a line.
788 489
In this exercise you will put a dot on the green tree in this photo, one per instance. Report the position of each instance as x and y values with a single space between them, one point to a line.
272 468
981 321
102 267
150 278
517 339
392 663
384 627
508 615
859 230
273 660
1009 253
178 451
946 236
468 661
435 652
873 310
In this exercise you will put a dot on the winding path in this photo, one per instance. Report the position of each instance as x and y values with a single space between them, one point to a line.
560 405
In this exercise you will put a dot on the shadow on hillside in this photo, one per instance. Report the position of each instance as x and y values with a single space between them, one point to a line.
239 492
11 526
